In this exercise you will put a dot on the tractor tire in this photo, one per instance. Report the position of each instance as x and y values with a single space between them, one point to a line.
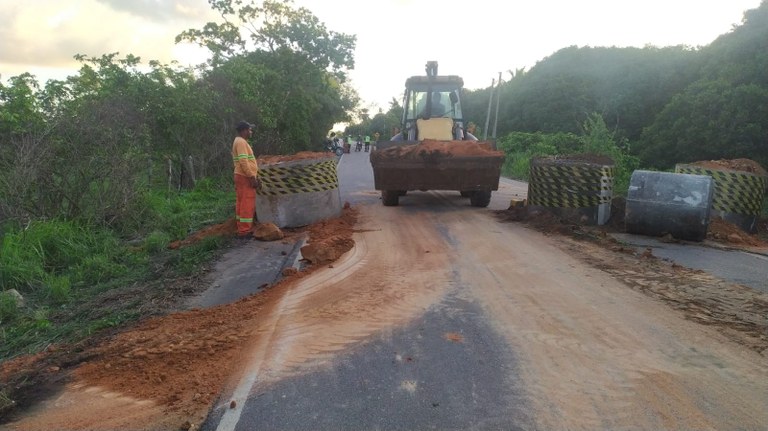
390 197
480 198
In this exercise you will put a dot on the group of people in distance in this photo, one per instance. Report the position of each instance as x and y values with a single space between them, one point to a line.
360 141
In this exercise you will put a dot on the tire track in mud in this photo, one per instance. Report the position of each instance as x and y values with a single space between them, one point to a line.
80 398
596 354
396 270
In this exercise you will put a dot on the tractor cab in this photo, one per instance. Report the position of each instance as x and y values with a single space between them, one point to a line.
432 109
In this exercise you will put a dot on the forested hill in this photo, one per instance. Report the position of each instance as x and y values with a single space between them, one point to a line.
673 104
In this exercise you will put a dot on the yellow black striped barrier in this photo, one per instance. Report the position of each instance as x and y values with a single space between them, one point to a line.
285 180
735 192
570 186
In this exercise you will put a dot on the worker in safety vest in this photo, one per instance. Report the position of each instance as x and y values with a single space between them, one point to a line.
367 142
246 180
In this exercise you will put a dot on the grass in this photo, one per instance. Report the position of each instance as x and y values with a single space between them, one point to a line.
77 280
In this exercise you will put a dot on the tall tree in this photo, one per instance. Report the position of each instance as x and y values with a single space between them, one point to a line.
710 120
283 67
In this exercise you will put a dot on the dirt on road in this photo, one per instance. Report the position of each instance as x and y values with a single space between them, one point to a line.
607 338
166 371
614 340
738 311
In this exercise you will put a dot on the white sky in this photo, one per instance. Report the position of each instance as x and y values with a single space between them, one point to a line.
475 39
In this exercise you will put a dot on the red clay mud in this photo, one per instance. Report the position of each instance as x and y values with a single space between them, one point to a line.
178 361
737 165
431 149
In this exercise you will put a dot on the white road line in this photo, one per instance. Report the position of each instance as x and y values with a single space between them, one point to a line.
240 395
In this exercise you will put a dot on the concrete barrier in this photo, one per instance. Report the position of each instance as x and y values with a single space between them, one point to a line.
578 189
738 196
661 203
298 192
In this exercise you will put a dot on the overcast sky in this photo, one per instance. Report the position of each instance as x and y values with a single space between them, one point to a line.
475 39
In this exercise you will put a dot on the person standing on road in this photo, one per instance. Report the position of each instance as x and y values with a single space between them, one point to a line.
367 142
246 179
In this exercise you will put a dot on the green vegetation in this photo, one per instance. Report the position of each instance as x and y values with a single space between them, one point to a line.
62 268
96 170
645 107
674 104
521 147
101 171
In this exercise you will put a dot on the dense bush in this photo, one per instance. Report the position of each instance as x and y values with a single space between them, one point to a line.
521 147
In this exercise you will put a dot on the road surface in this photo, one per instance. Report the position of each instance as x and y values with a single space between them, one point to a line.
443 318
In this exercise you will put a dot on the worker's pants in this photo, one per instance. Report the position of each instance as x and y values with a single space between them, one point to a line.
245 204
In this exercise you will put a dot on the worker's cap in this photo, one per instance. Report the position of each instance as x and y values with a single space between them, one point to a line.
243 125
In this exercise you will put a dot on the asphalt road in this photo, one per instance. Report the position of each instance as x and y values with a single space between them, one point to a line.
442 319
406 378
748 269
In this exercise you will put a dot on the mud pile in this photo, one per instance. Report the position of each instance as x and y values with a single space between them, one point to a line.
434 150
175 359
227 229
302 155
330 239
724 232
179 361
736 165
544 220
261 231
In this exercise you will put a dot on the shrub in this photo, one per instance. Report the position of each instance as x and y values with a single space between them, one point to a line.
599 140
521 147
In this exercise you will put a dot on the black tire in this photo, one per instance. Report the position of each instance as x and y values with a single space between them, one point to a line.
466 193
390 198
480 199
339 151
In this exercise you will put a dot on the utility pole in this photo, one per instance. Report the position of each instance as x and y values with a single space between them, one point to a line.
488 116
496 117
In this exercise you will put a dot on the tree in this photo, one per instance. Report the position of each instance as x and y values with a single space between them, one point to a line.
272 26
19 106
288 73
710 120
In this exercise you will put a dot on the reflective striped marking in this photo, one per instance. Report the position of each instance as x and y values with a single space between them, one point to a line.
318 177
735 192
570 186
244 156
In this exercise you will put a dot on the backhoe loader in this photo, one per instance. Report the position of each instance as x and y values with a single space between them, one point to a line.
433 151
